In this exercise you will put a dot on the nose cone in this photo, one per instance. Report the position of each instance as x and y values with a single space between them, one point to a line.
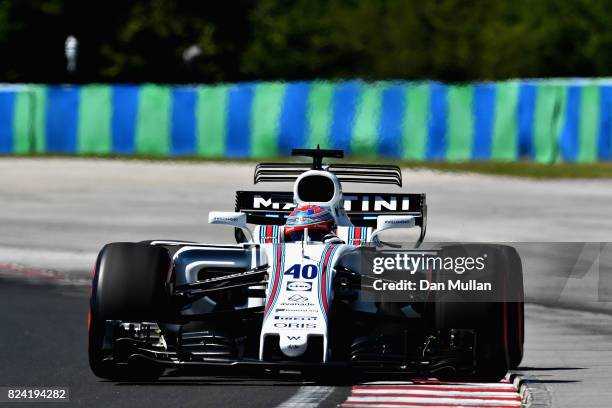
293 345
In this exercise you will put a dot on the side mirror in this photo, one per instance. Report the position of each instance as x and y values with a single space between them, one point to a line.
236 219
387 222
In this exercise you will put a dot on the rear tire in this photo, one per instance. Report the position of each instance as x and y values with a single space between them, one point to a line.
516 309
128 285
491 363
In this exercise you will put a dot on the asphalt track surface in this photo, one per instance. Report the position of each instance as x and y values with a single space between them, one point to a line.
49 324
57 213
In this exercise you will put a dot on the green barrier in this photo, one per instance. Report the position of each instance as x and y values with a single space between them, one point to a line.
415 122
319 113
546 121
153 125
95 120
267 105
505 144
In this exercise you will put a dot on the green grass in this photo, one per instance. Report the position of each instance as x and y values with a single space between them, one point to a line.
522 169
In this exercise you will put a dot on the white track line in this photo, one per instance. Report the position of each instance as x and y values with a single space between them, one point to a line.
307 397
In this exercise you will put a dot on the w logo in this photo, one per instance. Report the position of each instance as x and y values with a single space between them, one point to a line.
294 338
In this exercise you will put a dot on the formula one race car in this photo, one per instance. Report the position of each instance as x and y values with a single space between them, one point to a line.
297 291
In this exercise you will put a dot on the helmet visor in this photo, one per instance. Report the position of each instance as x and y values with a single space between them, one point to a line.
295 236
313 235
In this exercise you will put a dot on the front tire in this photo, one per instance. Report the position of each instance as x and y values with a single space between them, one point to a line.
497 323
128 285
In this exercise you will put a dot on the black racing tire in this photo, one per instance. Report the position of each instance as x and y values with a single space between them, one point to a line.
129 285
491 363
99 362
497 347
515 309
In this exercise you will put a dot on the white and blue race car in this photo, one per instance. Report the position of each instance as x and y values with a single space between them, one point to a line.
292 296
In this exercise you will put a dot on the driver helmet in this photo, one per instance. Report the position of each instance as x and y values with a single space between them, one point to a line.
319 222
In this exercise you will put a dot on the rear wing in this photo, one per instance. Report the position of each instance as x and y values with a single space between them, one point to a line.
353 173
348 173
273 207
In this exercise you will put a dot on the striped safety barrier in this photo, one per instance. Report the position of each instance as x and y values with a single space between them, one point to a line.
540 120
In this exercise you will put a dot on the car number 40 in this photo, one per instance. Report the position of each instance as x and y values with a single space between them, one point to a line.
303 271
